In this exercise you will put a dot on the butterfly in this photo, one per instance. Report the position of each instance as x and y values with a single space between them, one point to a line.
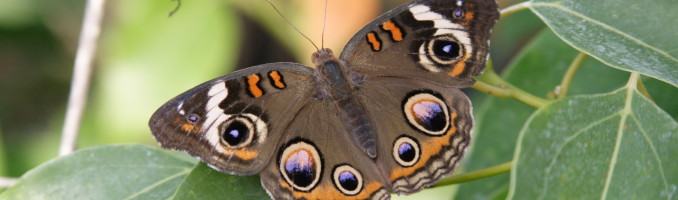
386 115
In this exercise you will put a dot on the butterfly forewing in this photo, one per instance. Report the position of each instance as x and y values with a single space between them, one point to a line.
444 41
232 122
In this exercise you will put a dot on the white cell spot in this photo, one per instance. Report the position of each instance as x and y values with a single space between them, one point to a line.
217 94
180 110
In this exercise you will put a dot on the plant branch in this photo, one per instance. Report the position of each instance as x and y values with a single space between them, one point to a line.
569 75
514 9
82 70
475 175
7 182
491 83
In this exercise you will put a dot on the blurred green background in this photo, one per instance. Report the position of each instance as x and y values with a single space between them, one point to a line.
145 58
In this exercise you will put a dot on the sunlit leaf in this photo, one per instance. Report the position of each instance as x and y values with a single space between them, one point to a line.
104 172
610 146
626 34
499 121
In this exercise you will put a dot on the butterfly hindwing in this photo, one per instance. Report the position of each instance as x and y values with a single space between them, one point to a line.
318 160
423 130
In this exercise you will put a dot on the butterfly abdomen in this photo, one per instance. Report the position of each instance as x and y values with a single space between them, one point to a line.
353 114
333 77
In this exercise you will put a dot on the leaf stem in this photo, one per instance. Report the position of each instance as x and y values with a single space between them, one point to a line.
514 9
491 83
475 175
7 182
82 70
569 75
633 80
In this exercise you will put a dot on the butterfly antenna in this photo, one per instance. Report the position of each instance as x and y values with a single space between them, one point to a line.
290 23
176 8
322 35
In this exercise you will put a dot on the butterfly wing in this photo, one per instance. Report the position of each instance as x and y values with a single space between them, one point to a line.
232 121
444 41
411 61
318 160
423 129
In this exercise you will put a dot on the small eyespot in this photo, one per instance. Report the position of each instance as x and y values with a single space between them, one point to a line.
427 113
301 165
406 151
458 13
347 179
444 50
193 118
237 132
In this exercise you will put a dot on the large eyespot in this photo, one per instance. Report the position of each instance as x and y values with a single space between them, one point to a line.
300 164
427 113
347 179
406 151
237 132
444 50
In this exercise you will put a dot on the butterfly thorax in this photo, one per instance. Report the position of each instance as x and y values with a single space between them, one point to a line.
335 84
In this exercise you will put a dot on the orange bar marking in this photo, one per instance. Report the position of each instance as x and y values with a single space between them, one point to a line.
277 79
253 88
396 33
244 153
458 68
374 41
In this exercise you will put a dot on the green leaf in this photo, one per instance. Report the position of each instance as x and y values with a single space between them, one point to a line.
207 183
664 95
611 146
626 34
104 172
499 121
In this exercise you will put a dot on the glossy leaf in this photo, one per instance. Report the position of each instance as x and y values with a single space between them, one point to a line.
105 172
206 183
499 121
627 34
611 146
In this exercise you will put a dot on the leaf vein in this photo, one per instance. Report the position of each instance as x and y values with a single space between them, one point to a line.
654 152
150 187
566 142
